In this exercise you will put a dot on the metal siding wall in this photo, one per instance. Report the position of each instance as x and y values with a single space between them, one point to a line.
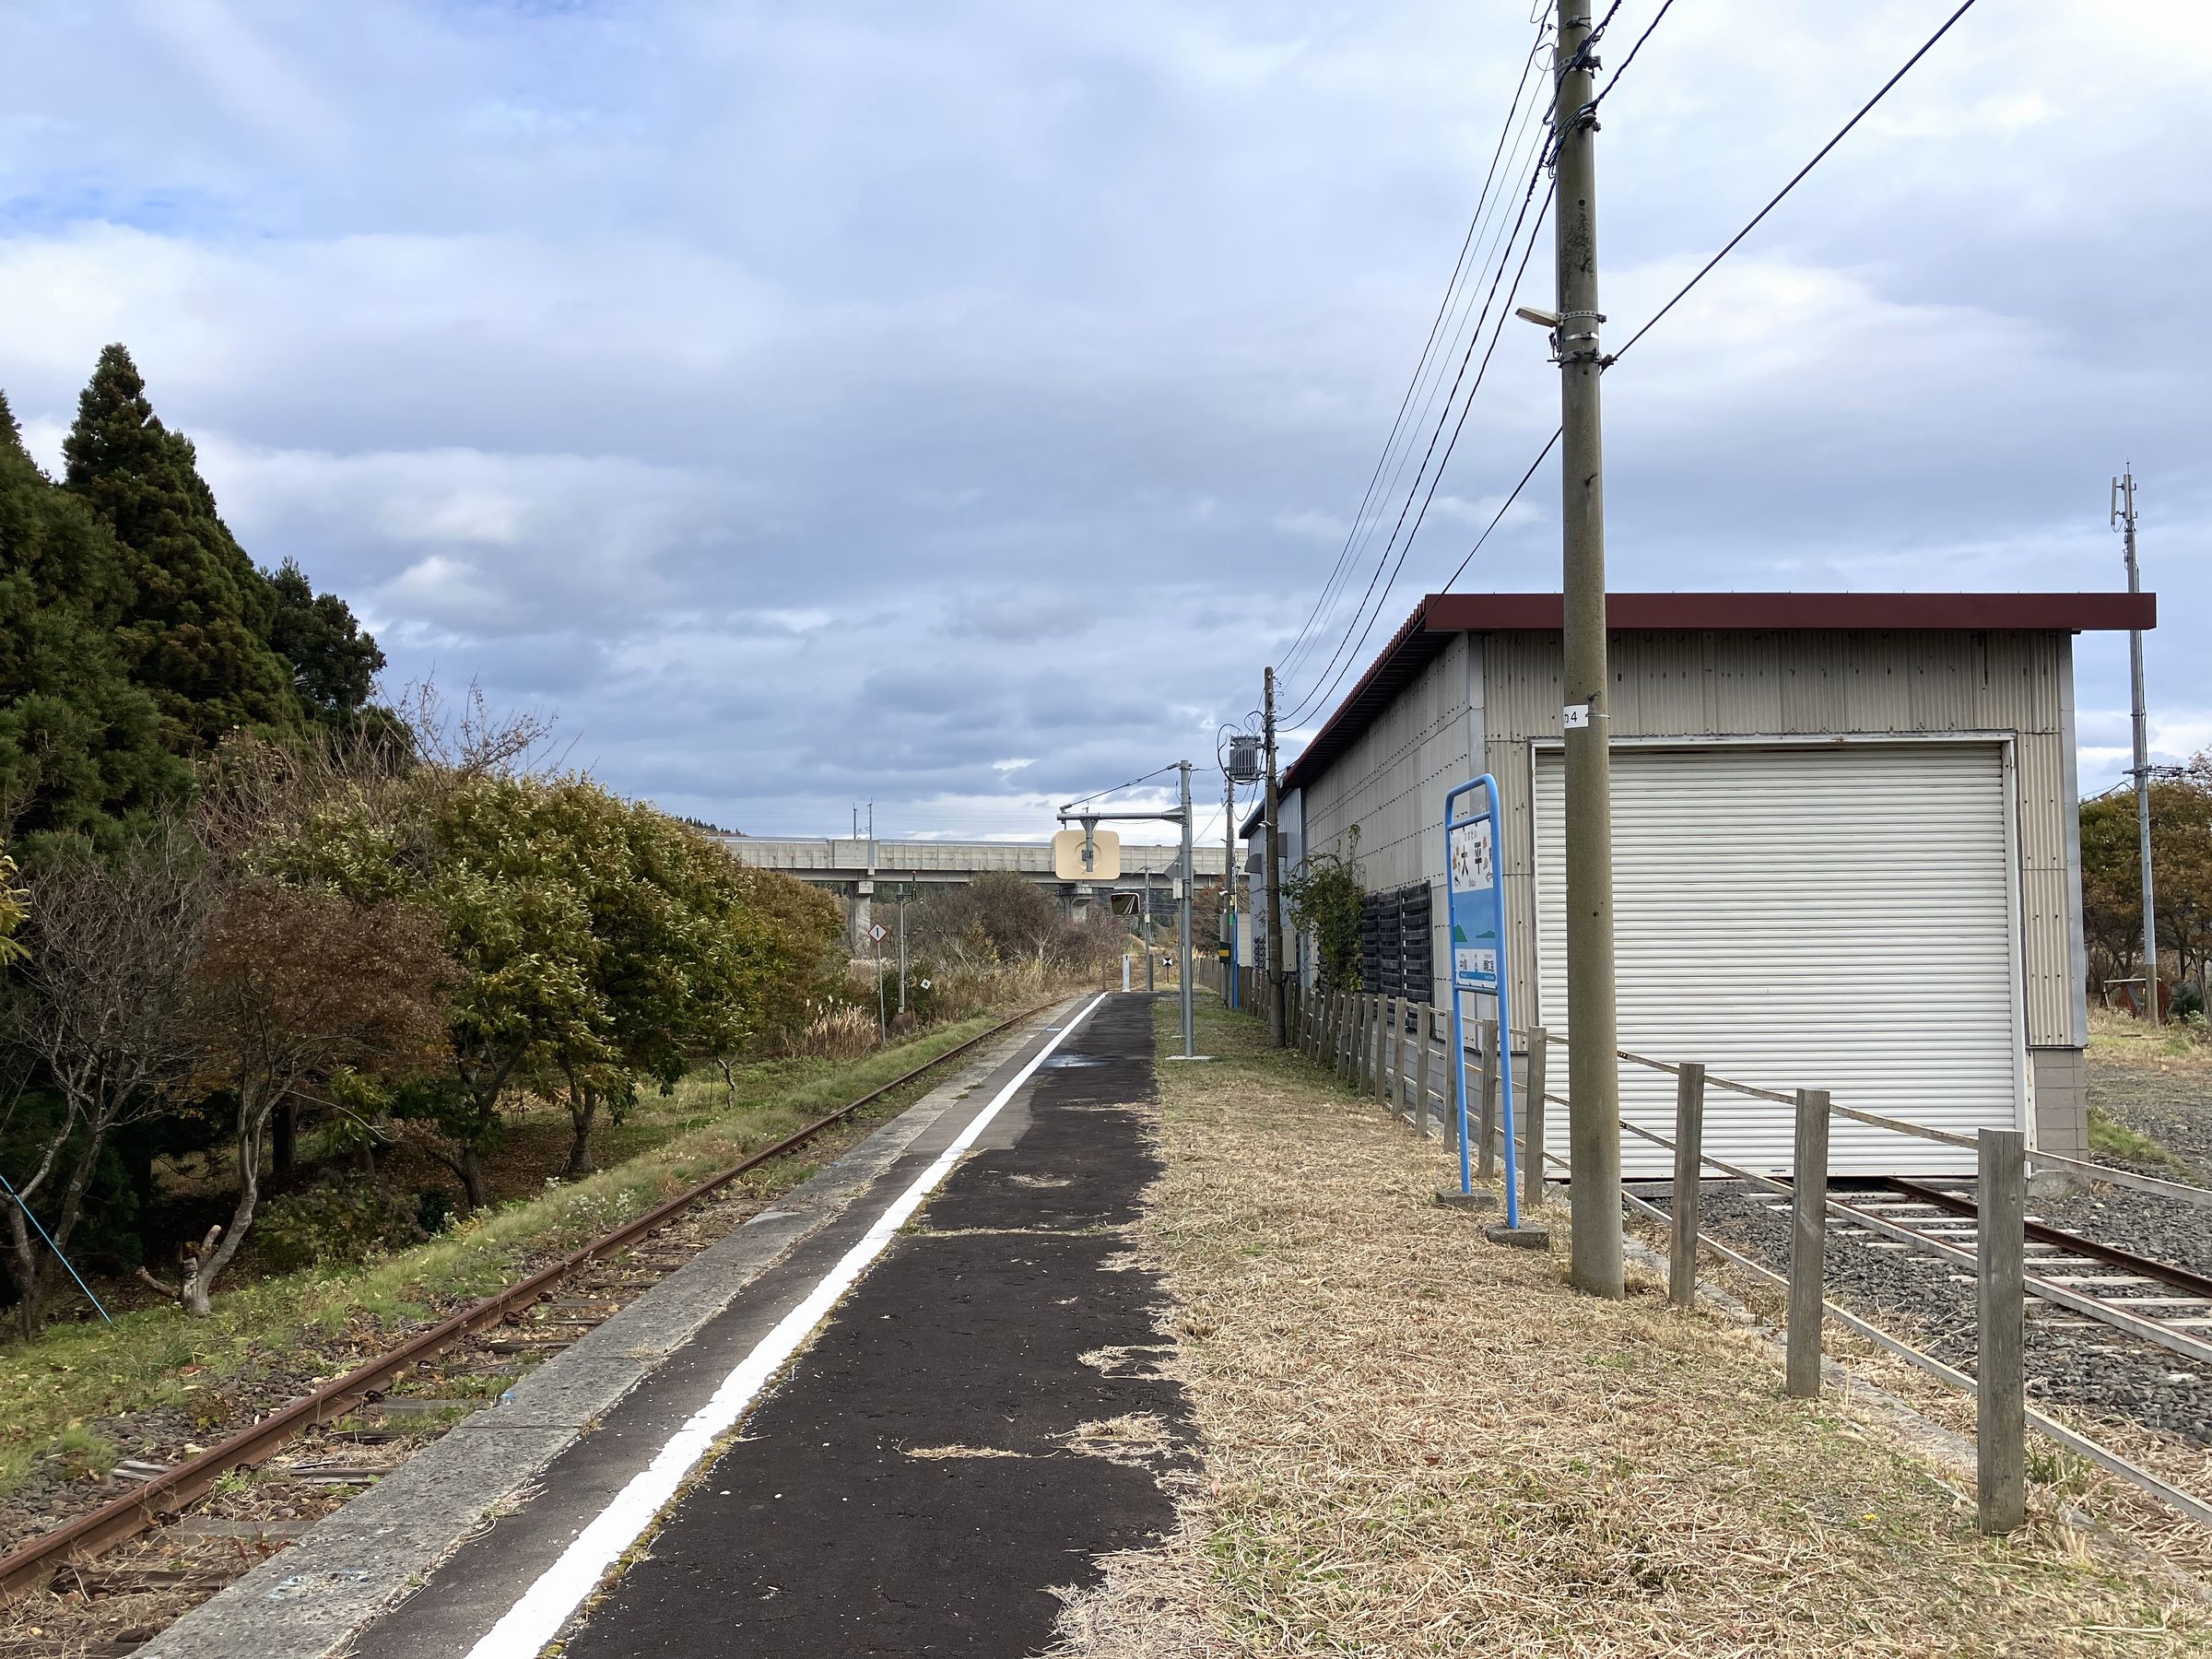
1390 784
1810 683
2077 945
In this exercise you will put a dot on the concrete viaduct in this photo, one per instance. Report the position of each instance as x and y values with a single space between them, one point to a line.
857 870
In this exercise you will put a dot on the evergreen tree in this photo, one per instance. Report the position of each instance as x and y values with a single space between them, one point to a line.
80 745
335 663
196 631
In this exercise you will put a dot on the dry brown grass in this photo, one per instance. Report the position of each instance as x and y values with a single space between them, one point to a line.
2118 1039
1417 1443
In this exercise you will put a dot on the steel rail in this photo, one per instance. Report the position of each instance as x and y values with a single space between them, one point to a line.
2111 1255
2126 1178
139 1511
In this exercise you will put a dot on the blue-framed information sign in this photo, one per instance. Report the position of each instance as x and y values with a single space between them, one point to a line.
1475 899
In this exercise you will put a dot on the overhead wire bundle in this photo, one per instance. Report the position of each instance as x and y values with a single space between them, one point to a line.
1469 294
1357 627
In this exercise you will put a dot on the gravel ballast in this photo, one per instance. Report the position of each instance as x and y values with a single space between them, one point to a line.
1929 1300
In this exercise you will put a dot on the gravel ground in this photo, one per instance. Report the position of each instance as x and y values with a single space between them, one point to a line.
2135 1083
1929 1301
2168 1099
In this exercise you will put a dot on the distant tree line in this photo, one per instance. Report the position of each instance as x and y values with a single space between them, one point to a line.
247 891
2180 862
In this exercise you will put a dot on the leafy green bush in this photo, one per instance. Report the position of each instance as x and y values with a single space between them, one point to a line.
343 1221
1324 895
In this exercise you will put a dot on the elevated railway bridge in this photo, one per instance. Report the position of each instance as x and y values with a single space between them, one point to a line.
861 871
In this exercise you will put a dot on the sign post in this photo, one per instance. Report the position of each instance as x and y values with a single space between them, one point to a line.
1477 912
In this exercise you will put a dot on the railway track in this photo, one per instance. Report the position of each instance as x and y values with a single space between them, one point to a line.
2163 1292
1884 1257
495 1338
2149 1288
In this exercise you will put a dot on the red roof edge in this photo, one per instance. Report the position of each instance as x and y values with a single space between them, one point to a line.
2071 613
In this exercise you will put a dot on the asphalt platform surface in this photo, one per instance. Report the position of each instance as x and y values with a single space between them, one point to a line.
920 1480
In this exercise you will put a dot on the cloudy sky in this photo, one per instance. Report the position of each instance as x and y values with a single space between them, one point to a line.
954 405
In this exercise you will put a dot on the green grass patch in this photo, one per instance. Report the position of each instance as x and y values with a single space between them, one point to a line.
265 1336
2111 1138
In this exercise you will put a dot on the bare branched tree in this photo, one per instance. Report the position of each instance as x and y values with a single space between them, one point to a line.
292 985
102 1006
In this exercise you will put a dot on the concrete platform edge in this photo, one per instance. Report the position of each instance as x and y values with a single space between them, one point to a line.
313 1599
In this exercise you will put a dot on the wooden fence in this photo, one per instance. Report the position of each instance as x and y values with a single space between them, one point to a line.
1399 1051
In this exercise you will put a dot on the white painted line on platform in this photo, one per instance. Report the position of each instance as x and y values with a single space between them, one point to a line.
524 1628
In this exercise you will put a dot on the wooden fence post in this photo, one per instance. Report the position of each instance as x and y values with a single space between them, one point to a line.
1532 1120
1425 1024
1389 1031
1808 1243
1690 1142
2000 1402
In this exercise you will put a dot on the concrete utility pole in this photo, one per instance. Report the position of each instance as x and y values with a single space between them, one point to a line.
1190 882
1229 889
1593 1064
1144 927
2124 515
1277 1022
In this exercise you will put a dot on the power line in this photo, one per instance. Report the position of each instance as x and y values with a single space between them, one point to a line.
1443 310
1133 782
1797 178
1614 80
1351 656
1499 516
1501 246
1707 268
1324 683
1497 254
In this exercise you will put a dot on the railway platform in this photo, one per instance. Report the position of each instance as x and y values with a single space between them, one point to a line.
930 1405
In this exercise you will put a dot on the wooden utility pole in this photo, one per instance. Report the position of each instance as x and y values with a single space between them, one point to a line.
1593 1035
1277 1026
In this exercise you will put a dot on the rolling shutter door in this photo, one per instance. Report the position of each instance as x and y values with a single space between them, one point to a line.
1839 917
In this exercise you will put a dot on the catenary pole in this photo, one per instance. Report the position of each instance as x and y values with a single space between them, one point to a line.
1190 881
1593 1067
2123 513
1277 1020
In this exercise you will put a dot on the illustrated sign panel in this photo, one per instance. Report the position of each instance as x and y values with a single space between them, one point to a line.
1477 910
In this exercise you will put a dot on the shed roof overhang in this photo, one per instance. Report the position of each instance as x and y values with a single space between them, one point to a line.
1438 617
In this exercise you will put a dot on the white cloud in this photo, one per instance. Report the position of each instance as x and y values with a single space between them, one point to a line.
823 404
1313 525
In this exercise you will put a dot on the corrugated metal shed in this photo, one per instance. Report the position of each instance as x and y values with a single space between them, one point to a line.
1473 682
